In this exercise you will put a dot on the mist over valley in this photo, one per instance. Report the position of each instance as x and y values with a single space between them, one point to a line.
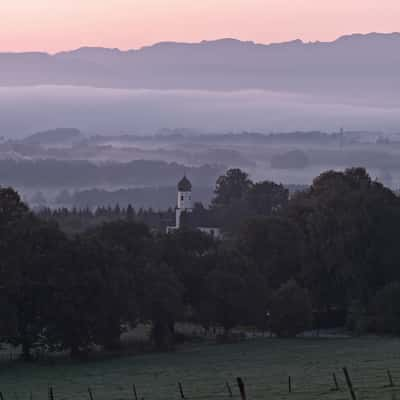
274 110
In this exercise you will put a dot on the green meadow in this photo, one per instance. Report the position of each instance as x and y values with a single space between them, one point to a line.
203 369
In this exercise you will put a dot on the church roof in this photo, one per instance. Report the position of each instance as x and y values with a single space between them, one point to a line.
184 185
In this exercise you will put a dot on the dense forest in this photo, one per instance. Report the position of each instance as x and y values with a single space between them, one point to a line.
326 256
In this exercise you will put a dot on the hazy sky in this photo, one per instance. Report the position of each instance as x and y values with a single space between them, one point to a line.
54 25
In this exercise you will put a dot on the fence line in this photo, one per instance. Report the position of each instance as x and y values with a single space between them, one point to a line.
385 384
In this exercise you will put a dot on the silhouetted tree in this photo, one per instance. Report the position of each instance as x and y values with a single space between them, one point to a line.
32 252
266 198
234 185
291 311
162 304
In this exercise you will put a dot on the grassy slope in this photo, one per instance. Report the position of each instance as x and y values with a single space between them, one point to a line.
263 363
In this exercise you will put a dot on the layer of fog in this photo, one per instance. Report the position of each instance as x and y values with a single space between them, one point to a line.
24 110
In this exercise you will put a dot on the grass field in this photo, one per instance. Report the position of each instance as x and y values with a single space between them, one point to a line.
264 364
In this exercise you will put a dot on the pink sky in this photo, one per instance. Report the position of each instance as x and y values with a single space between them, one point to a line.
53 25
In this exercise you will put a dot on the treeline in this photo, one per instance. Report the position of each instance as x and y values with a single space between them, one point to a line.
327 256
78 220
158 198
57 173
182 135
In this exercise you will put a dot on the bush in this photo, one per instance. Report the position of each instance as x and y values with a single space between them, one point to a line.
291 311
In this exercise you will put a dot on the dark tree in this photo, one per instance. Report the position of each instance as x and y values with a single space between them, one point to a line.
225 292
162 304
275 245
234 185
79 298
32 252
11 208
291 311
350 224
125 248
267 198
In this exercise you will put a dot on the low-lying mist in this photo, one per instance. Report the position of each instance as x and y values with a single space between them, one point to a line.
24 110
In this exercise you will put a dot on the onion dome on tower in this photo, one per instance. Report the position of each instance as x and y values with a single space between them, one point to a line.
184 185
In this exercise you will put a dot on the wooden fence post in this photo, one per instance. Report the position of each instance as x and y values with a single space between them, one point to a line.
229 389
134 391
181 390
1 396
242 388
349 383
290 384
90 394
391 384
51 394
335 381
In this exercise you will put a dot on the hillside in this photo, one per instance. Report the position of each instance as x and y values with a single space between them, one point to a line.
54 136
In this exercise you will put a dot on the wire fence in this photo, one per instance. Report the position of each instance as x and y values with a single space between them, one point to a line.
340 387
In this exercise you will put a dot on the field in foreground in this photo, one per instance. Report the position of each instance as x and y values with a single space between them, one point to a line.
264 364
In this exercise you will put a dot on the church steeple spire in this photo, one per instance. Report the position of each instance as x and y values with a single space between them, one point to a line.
184 185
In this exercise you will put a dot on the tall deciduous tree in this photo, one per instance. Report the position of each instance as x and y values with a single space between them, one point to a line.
351 227
32 254
275 245
162 303
11 208
267 198
234 185
225 292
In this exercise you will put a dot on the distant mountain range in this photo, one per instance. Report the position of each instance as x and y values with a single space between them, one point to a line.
355 64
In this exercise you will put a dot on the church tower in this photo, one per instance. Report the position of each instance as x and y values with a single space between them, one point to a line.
184 203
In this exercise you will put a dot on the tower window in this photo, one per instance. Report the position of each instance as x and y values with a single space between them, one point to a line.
181 198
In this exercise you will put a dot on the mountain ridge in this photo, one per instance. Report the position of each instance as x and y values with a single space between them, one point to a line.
355 62
351 36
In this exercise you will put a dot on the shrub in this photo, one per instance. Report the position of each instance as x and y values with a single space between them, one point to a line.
291 311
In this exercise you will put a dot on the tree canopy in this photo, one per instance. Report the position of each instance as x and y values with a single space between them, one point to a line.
326 254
